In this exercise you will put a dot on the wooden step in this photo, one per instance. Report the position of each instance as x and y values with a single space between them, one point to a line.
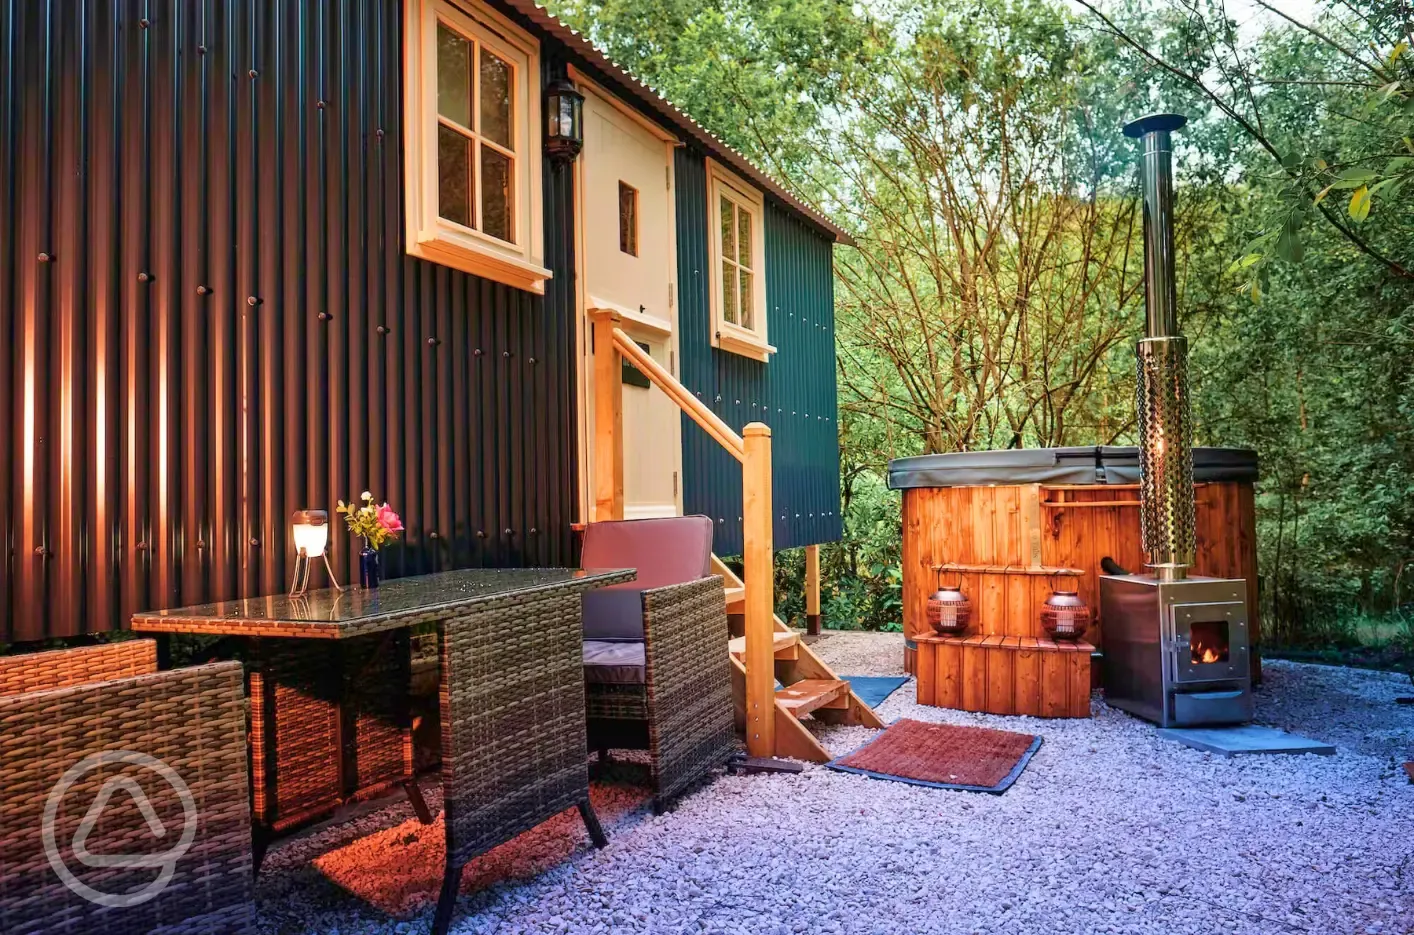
800 698
1005 675
736 600
787 645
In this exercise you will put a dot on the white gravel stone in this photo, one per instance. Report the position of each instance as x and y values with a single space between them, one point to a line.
1110 829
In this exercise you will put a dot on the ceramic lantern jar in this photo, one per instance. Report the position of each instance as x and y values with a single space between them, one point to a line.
949 611
1065 616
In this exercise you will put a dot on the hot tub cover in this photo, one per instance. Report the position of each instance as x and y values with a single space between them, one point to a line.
1093 465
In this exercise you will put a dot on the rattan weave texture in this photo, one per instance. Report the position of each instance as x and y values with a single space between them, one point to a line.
686 703
193 721
27 672
513 742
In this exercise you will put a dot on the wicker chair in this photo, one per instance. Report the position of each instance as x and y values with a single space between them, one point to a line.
96 748
657 673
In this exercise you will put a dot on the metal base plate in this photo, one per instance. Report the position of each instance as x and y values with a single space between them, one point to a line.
1248 738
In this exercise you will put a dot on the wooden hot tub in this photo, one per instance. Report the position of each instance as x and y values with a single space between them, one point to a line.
1012 525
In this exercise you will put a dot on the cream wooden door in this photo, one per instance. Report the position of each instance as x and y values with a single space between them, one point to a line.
627 262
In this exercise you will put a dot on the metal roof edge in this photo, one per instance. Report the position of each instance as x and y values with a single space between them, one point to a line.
646 97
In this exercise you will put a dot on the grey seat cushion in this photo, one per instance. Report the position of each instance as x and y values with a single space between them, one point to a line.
614 663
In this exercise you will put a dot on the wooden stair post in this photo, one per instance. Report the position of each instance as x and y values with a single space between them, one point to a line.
759 561
812 590
608 418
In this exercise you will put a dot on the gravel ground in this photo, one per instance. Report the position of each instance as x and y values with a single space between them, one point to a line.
1110 829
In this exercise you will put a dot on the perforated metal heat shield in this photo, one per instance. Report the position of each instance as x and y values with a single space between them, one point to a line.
1165 452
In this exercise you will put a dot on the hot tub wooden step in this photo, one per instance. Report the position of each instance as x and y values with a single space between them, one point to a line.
800 698
1005 675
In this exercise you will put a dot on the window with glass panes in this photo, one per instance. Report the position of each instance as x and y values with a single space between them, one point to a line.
476 156
738 290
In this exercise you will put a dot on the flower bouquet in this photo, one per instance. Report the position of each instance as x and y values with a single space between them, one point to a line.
377 525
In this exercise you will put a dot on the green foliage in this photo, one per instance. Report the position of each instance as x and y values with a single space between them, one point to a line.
973 147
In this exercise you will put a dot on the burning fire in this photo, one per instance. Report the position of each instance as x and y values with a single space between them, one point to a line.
1208 643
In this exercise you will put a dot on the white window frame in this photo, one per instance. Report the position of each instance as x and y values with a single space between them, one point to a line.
429 235
726 336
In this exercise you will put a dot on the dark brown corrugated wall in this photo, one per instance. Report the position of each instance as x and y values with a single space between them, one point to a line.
208 319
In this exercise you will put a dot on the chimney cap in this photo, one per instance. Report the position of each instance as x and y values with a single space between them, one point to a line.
1152 123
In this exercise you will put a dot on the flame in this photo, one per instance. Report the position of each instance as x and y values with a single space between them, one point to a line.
1209 654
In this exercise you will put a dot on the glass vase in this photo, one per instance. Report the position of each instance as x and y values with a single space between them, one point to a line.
368 572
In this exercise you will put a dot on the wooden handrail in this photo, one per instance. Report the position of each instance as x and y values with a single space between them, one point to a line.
752 448
705 418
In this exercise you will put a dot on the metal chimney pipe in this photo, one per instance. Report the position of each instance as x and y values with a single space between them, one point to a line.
1165 430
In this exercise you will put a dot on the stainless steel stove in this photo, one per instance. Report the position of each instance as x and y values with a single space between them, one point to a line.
1176 652
1176 647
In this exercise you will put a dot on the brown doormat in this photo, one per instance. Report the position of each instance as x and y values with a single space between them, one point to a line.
943 756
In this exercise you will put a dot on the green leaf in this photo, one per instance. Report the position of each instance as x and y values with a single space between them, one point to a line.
1389 91
1321 196
1289 246
1243 262
1291 161
1354 177
1360 204
1383 184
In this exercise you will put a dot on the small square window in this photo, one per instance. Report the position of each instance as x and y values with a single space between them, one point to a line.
628 219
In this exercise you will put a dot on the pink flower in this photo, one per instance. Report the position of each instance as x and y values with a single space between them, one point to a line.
389 520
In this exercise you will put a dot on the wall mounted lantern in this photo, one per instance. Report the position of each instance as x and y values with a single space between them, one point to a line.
311 532
564 131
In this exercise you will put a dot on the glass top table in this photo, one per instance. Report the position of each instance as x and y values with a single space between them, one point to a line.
400 602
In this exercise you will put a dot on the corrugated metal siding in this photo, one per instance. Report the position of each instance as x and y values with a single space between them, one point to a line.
228 327
795 394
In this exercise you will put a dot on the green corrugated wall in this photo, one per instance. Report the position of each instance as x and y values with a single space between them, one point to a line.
794 394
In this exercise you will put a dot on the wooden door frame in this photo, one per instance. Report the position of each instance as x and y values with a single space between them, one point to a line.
633 323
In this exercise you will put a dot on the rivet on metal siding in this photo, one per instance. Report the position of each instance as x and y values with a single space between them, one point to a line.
145 277
319 104
254 542
41 550
481 534
203 290
378 133
510 532
383 329
253 73
325 316
144 23
141 546
252 301
433 342
46 258
201 50
476 353
432 535
506 355
534 531
200 544
531 361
